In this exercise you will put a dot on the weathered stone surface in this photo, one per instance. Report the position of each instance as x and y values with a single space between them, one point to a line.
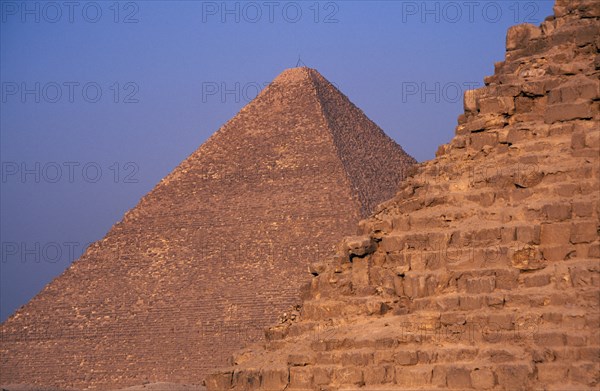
494 244
358 245
568 111
519 36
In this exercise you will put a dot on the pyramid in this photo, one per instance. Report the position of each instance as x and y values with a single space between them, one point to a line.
483 271
215 251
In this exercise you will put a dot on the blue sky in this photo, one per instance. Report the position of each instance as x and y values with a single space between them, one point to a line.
100 100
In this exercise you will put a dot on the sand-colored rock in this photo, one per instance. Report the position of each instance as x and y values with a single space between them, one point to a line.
485 274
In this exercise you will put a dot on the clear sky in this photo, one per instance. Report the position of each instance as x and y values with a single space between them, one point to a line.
100 100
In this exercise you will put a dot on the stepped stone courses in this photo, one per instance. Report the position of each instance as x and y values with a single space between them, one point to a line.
483 272
215 251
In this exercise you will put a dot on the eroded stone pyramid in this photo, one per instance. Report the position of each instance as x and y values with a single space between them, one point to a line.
483 271
215 251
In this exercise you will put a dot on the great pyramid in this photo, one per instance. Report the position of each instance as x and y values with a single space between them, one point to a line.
483 271
215 251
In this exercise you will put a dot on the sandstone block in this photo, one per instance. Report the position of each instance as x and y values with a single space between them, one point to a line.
557 212
375 375
358 359
470 101
479 140
552 373
518 36
557 253
458 378
360 271
348 375
537 280
584 232
497 105
401 223
555 234
527 258
567 112
481 122
514 376
273 379
507 279
482 379
579 87
405 357
586 374
481 284
301 377
321 376
529 234
218 381
413 376
358 245
391 243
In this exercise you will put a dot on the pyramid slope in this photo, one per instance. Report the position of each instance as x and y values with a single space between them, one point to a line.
206 259
357 138
483 272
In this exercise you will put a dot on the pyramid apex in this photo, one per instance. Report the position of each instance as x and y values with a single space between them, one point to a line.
294 74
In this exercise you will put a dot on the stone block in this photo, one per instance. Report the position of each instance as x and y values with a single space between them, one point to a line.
391 243
358 245
360 271
218 381
514 377
301 377
555 234
375 375
557 253
458 378
584 232
482 379
401 223
507 279
497 105
557 212
528 234
321 376
273 379
527 258
568 111
405 357
586 373
478 140
552 373
481 284
519 36
419 376
348 375
470 101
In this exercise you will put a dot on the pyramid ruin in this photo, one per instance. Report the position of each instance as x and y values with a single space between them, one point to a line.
483 272
215 251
